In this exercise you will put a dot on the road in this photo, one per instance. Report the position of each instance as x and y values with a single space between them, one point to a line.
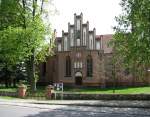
35 110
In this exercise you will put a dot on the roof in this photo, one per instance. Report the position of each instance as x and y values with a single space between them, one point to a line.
71 25
59 39
106 36
90 31
84 24
65 33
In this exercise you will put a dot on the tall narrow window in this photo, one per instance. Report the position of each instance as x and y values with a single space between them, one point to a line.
44 69
89 66
59 47
75 65
98 45
91 42
72 38
84 36
78 42
78 24
68 66
65 44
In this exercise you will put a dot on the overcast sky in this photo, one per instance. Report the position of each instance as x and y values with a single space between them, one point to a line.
99 13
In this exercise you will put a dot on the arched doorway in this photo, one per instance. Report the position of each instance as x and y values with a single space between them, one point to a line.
78 78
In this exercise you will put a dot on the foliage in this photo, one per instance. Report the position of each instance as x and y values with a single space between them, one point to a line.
10 13
22 33
132 37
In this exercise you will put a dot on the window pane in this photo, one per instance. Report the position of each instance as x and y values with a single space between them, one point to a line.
68 66
89 67
65 44
84 36
91 42
78 24
78 42
72 38
98 45
59 47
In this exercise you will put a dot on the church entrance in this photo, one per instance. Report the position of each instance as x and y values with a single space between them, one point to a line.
78 78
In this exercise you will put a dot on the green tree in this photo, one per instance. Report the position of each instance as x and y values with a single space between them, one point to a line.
9 49
132 36
23 38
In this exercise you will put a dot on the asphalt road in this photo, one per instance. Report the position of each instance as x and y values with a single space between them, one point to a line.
69 111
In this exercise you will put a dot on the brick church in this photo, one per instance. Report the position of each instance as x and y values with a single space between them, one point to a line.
82 58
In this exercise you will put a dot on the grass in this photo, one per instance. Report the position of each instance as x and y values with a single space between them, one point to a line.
8 89
8 97
127 90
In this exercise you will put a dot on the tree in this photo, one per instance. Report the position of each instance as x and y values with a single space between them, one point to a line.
132 36
41 47
23 38
9 46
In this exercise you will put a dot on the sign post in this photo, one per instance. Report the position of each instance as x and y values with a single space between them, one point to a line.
58 87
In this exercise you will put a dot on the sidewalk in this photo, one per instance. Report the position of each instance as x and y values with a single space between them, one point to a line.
94 103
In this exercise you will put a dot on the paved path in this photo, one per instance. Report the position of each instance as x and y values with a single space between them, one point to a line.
70 108
94 103
36 110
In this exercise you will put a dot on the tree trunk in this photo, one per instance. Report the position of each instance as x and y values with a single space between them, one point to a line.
30 62
32 79
14 82
31 73
6 82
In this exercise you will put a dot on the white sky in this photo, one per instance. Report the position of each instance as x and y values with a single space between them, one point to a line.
99 13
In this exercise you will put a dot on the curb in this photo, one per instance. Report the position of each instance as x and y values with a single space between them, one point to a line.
97 105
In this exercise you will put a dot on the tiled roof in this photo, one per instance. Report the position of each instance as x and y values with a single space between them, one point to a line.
65 33
84 24
107 36
59 39
90 31
71 25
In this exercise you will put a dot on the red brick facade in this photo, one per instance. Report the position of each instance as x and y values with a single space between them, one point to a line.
89 59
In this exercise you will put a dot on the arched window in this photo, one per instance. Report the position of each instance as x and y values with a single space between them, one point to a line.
89 66
68 66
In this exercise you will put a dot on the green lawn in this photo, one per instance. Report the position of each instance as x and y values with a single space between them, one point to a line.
8 89
128 90
8 97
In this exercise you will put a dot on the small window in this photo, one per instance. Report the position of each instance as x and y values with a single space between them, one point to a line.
78 42
72 38
65 44
78 24
81 65
91 42
75 65
59 47
98 45
84 36
89 66
78 64
68 66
